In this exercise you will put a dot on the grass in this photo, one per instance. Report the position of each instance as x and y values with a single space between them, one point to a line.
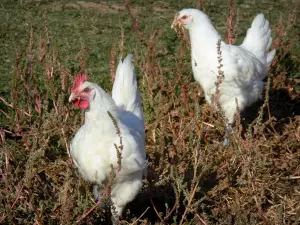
192 178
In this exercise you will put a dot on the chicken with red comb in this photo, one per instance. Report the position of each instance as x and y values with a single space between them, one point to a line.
93 147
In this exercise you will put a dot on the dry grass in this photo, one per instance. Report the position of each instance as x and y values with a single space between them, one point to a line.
192 177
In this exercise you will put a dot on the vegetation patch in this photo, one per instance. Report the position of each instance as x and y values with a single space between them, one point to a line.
192 178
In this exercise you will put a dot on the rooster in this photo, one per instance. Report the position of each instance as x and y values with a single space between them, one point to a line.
244 66
93 147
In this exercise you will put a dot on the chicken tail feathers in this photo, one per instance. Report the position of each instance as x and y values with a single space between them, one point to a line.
125 90
258 40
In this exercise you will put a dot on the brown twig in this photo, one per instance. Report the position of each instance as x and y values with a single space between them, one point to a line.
140 216
135 24
6 102
55 107
174 207
92 209
157 213
18 196
2 136
183 91
122 40
112 62
180 68
189 202
220 77
201 220
2 218
231 14
66 143
120 147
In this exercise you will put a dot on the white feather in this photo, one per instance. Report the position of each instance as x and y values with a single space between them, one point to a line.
258 39
93 148
127 95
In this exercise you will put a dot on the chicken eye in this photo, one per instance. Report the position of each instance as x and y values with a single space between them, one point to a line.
86 90
184 17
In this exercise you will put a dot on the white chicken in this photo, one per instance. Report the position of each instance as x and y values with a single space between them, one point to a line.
93 149
244 66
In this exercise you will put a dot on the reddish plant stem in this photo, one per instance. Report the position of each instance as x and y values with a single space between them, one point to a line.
37 106
174 207
184 94
135 24
112 63
157 213
2 218
229 20
202 220
180 71
66 143
18 196
6 161
229 27
189 202
55 107
2 136
5 102
92 209
3 180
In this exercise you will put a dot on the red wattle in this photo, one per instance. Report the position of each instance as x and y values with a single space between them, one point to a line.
82 104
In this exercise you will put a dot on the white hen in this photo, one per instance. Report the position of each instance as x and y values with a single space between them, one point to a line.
244 66
93 148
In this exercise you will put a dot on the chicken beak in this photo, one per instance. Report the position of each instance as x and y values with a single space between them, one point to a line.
174 24
175 21
72 97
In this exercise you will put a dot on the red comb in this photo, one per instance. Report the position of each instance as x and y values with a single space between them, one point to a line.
79 79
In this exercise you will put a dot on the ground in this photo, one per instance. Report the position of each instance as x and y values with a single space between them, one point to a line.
192 177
